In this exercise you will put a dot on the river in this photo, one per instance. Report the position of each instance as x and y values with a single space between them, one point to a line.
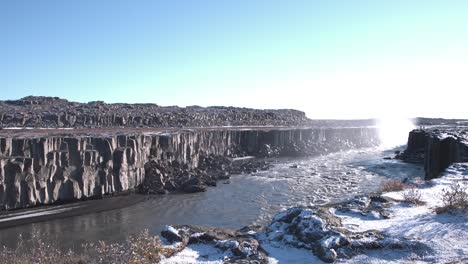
243 200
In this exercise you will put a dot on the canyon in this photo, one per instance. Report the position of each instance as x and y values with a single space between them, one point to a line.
38 167
66 151
64 157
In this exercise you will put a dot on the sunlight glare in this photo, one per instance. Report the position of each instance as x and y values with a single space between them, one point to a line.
393 131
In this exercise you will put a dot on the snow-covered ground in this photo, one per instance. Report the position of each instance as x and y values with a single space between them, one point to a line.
435 238
444 235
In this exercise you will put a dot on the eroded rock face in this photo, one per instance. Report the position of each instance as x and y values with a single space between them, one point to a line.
48 169
436 149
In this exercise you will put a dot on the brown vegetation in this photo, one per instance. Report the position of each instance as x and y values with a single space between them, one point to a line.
392 186
454 198
141 249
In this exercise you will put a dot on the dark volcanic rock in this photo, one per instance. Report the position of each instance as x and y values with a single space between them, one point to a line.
171 176
38 111
320 231
437 148
238 246
172 235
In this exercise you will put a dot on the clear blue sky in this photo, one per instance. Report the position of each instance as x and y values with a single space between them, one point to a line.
330 58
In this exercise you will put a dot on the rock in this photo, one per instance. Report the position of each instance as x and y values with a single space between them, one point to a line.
329 256
238 246
308 227
321 231
246 248
171 234
194 188
288 216
436 148
267 151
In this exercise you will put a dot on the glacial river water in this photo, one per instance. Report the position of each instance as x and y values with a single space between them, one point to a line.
243 200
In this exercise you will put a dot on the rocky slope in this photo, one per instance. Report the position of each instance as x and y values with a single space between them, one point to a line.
437 148
41 168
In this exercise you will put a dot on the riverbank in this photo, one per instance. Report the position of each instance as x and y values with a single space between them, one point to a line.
46 213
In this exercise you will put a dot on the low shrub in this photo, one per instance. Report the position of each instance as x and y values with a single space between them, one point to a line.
413 196
454 198
392 186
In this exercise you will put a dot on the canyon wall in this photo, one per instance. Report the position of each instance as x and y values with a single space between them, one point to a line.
437 149
46 169
54 112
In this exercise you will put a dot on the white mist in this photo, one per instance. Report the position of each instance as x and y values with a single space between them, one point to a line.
393 131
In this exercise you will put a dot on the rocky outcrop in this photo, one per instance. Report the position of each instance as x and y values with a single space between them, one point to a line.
437 149
46 169
240 246
162 176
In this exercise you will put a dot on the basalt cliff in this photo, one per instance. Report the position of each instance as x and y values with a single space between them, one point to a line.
437 148
39 168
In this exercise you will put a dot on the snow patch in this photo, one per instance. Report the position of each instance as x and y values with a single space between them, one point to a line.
197 254
286 254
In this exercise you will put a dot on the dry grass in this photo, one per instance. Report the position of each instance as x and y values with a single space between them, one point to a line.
392 186
39 252
141 249
454 198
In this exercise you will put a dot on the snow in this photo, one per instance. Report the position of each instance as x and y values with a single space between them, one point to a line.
332 241
197 254
227 244
171 229
39 213
195 235
445 135
286 254
445 235
243 158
